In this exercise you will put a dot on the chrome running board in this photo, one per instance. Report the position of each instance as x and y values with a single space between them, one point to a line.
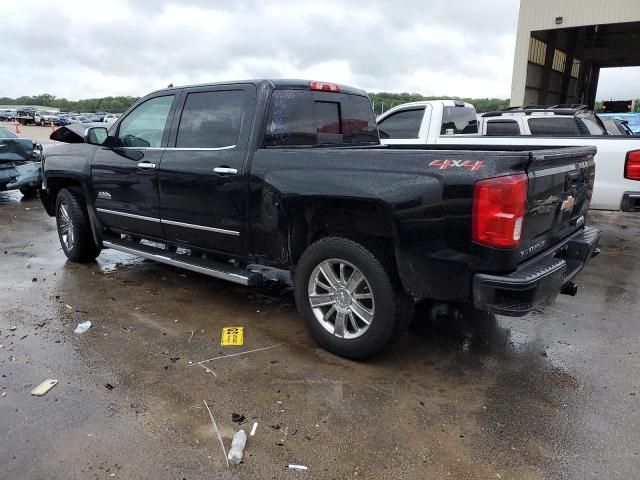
206 267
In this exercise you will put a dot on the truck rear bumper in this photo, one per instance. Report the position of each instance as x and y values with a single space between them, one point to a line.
630 202
538 280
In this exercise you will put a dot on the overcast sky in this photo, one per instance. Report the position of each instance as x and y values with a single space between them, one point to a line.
80 49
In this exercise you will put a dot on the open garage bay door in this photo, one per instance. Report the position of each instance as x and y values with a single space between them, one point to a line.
564 64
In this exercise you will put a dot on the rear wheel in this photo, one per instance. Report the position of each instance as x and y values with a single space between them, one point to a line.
74 228
349 297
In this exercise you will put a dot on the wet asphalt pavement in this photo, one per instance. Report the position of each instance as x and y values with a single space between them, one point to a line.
554 395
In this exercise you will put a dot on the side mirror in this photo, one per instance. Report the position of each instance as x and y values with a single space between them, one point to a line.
96 135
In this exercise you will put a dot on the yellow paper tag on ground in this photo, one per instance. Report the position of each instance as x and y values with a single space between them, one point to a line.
232 336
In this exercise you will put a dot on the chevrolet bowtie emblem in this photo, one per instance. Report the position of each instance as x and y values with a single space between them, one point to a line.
568 204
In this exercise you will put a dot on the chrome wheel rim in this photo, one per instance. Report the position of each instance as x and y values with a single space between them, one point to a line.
341 298
65 226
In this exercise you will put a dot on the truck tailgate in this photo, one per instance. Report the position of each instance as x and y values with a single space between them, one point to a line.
559 194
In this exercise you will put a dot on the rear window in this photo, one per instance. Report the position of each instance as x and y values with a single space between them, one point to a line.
459 120
403 124
300 117
554 126
502 128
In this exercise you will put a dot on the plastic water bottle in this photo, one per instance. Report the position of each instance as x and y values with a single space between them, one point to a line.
237 447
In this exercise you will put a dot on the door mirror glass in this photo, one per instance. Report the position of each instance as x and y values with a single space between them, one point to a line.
96 135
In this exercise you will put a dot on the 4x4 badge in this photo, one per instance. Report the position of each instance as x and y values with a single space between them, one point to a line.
470 164
104 195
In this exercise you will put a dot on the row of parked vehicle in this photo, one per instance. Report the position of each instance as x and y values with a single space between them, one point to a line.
34 116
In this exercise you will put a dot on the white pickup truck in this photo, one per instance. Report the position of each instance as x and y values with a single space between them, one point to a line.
617 184
45 118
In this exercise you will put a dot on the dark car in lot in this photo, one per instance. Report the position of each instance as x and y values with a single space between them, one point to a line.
234 179
7 115
20 167
63 120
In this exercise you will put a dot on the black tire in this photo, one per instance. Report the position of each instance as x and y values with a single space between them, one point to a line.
392 308
76 240
29 192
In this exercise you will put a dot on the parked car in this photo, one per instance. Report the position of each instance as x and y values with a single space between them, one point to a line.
101 115
554 121
632 119
20 167
45 118
110 118
290 175
615 126
79 119
91 117
617 184
62 120
7 115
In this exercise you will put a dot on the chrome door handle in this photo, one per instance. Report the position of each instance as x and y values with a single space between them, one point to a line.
146 165
226 170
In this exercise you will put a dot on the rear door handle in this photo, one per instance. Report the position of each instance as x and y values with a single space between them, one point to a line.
146 165
226 171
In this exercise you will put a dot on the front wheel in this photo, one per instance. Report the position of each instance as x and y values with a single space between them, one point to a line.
74 228
350 298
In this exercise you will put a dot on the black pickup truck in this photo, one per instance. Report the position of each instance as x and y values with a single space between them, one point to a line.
233 179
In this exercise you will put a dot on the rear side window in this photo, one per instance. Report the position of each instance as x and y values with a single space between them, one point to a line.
459 120
403 124
300 117
502 128
554 126
592 125
211 119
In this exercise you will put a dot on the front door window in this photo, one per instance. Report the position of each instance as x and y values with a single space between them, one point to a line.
144 126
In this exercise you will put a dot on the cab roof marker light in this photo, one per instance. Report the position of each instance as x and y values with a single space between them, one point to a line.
324 87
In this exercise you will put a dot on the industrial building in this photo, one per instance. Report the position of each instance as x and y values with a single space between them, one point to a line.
562 45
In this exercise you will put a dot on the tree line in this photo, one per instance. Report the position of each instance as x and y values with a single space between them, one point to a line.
382 102
104 104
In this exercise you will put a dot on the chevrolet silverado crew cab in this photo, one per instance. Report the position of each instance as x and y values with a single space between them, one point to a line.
451 122
235 179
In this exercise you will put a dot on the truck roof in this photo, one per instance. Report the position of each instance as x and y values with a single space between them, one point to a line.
276 84
445 103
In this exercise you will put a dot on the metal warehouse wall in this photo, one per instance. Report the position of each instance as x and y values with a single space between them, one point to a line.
536 15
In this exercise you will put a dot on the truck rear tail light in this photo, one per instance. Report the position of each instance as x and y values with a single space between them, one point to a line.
499 206
632 165
324 87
